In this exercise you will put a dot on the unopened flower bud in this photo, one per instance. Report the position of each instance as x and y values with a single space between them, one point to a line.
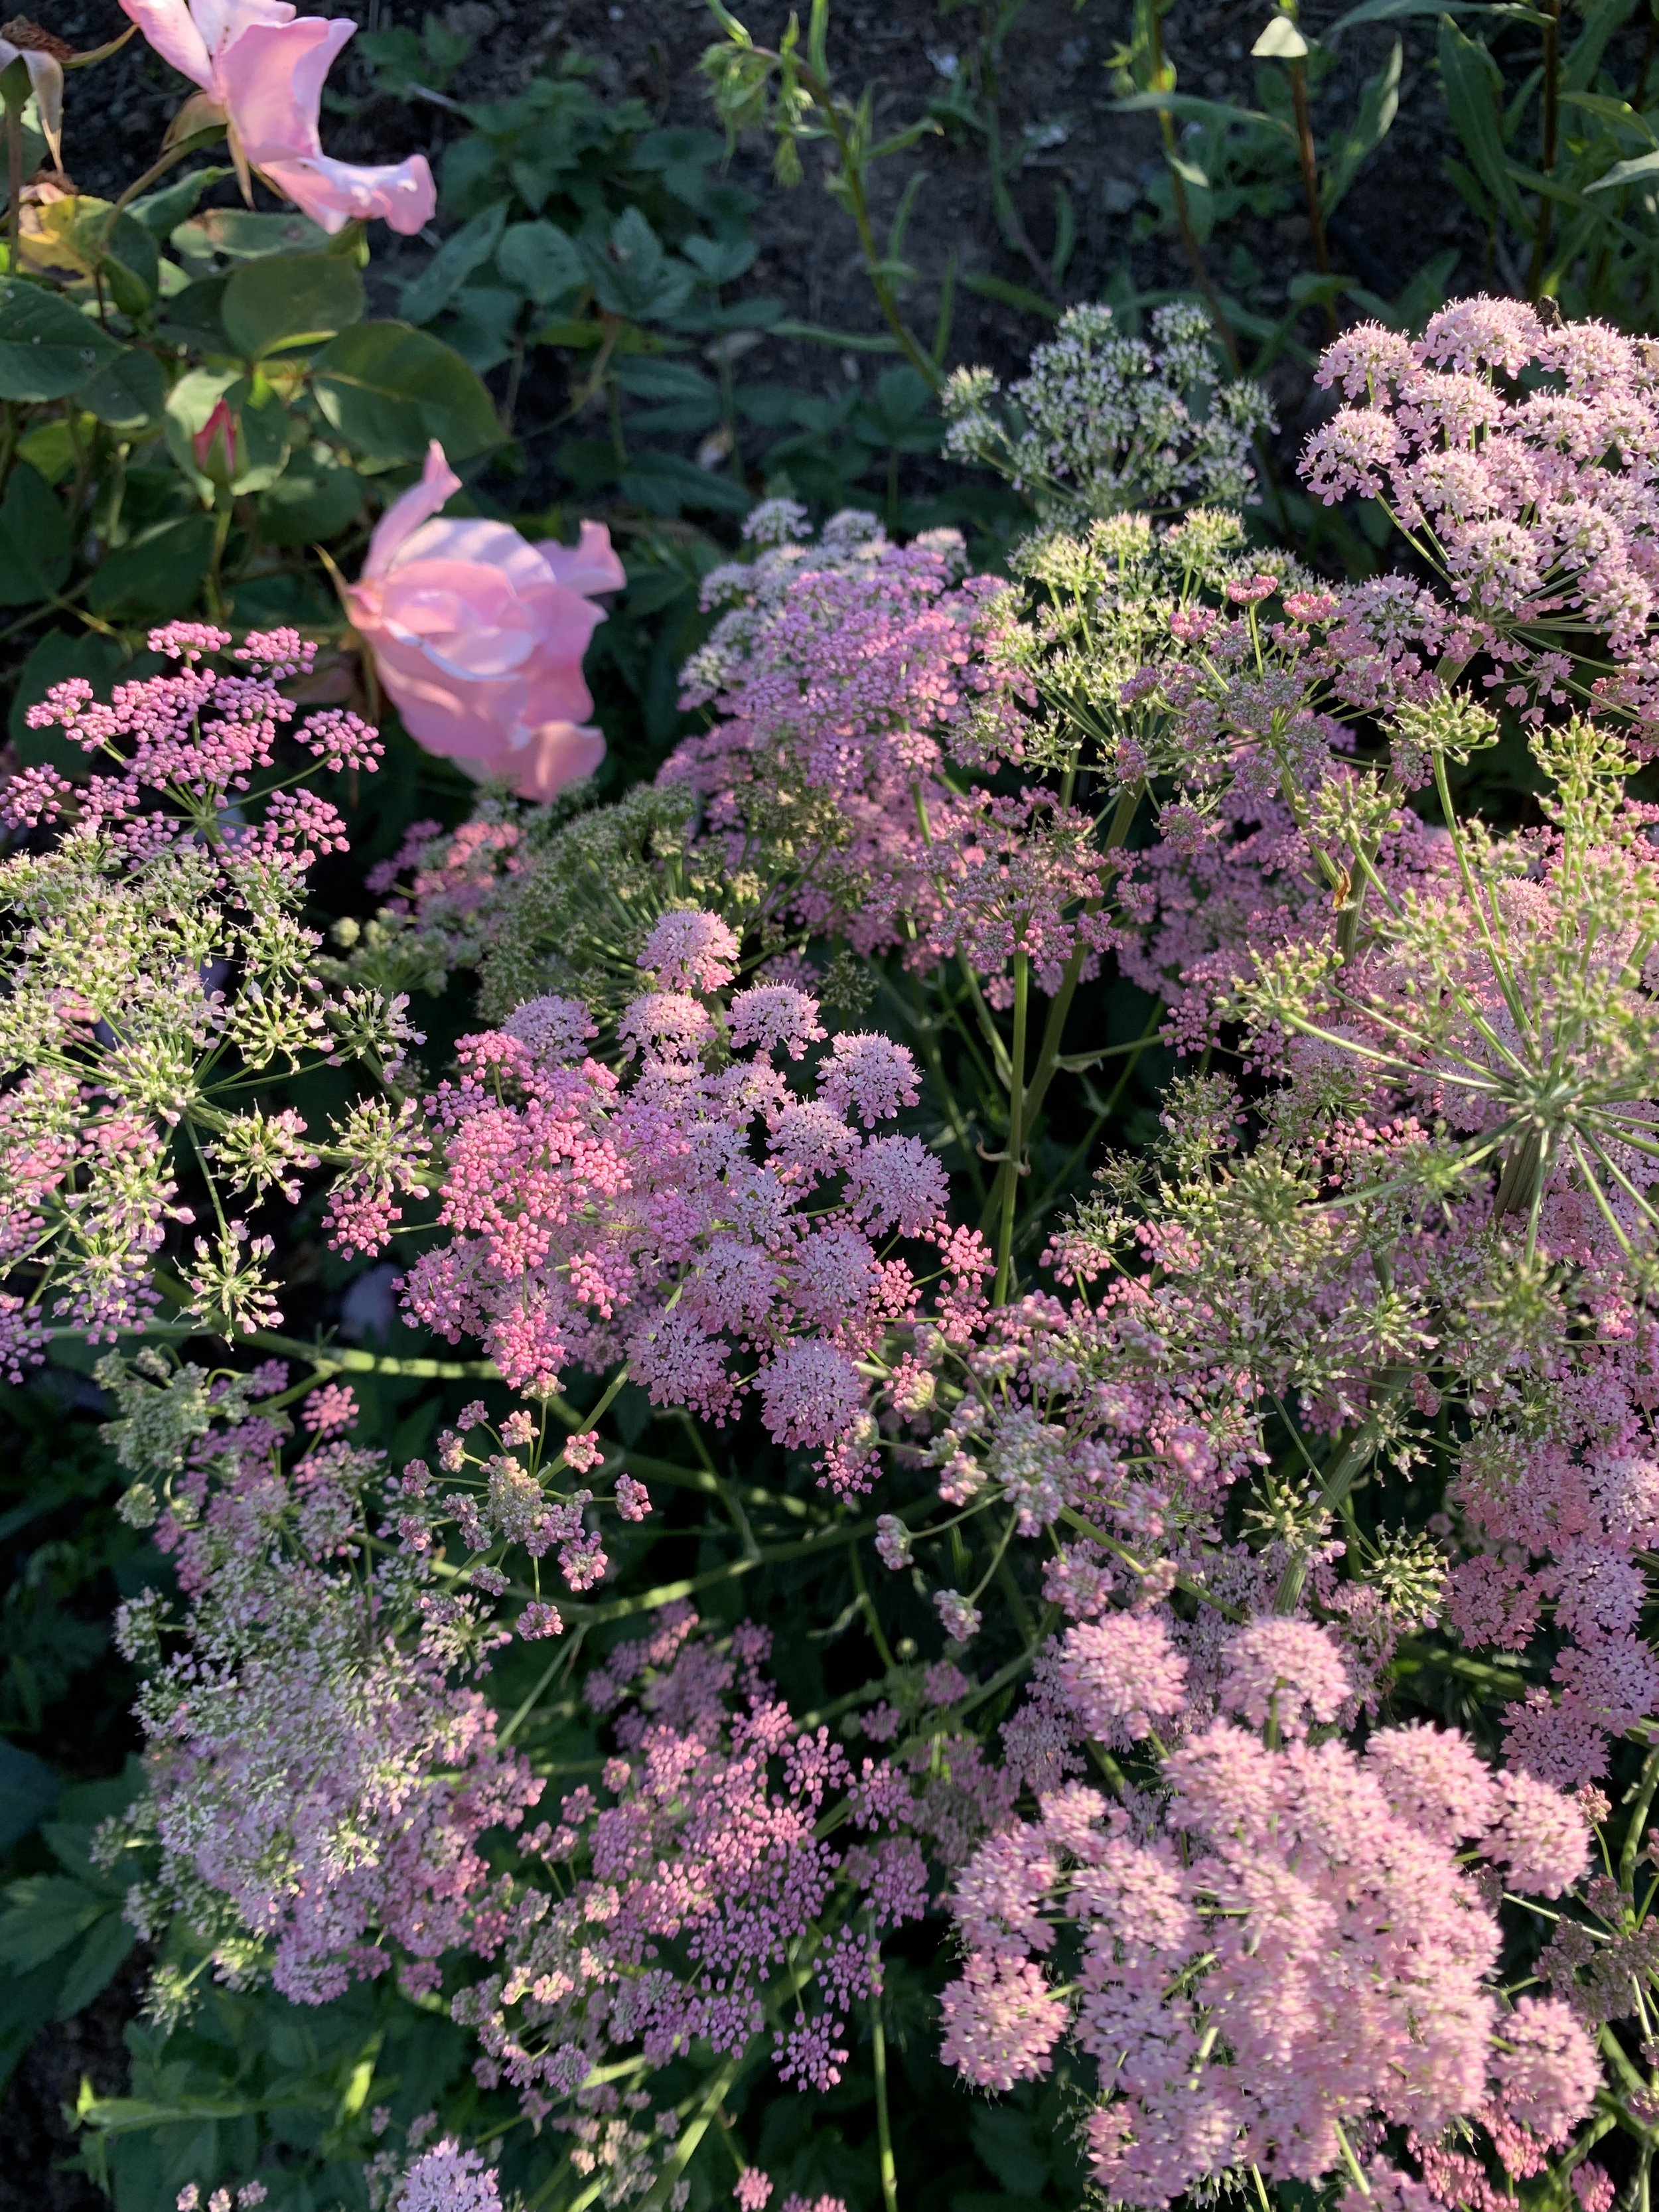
213 445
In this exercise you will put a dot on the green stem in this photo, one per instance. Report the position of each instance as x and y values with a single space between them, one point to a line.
1059 1006
884 2127
611 1389
1638 1813
1340 1480
852 170
1054 1029
800 1547
692 2134
221 535
1496 1681
168 161
1552 124
327 1359
873 1621
701 1479
1304 144
1011 1166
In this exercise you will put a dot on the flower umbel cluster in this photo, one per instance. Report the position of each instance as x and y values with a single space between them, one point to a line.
1102 423
321 1762
728 1227
698 1897
158 965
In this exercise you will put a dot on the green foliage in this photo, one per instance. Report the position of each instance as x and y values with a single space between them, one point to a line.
115 351
48 347
258 2083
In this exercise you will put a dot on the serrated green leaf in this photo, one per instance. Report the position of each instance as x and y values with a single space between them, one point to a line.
720 260
632 274
313 500
128 392
279 301
665 483
388 390
240 234
162 213
158 574
95 1965
451 264
646 376
44 1914
541 261
48 347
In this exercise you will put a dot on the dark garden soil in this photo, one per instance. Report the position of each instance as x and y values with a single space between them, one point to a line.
1055 100
37 2137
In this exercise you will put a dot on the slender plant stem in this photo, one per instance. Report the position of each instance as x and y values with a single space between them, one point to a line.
693 2133
326 1359
1163 78
1340 1477
858 206
1642 1799
1541 244
883 2125
1304 143
1054 1028
157 169
1016 1126
15 185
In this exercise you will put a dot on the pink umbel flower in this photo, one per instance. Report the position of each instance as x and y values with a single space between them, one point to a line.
318 1760
724 1234
178 872
478 636
1537 504
700 1885
261 67
1280 1954
872 681
1123 1675
447 2178
1546 2069
1285 1673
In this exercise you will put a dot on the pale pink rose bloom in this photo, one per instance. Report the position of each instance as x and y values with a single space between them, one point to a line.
478 636
262 72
